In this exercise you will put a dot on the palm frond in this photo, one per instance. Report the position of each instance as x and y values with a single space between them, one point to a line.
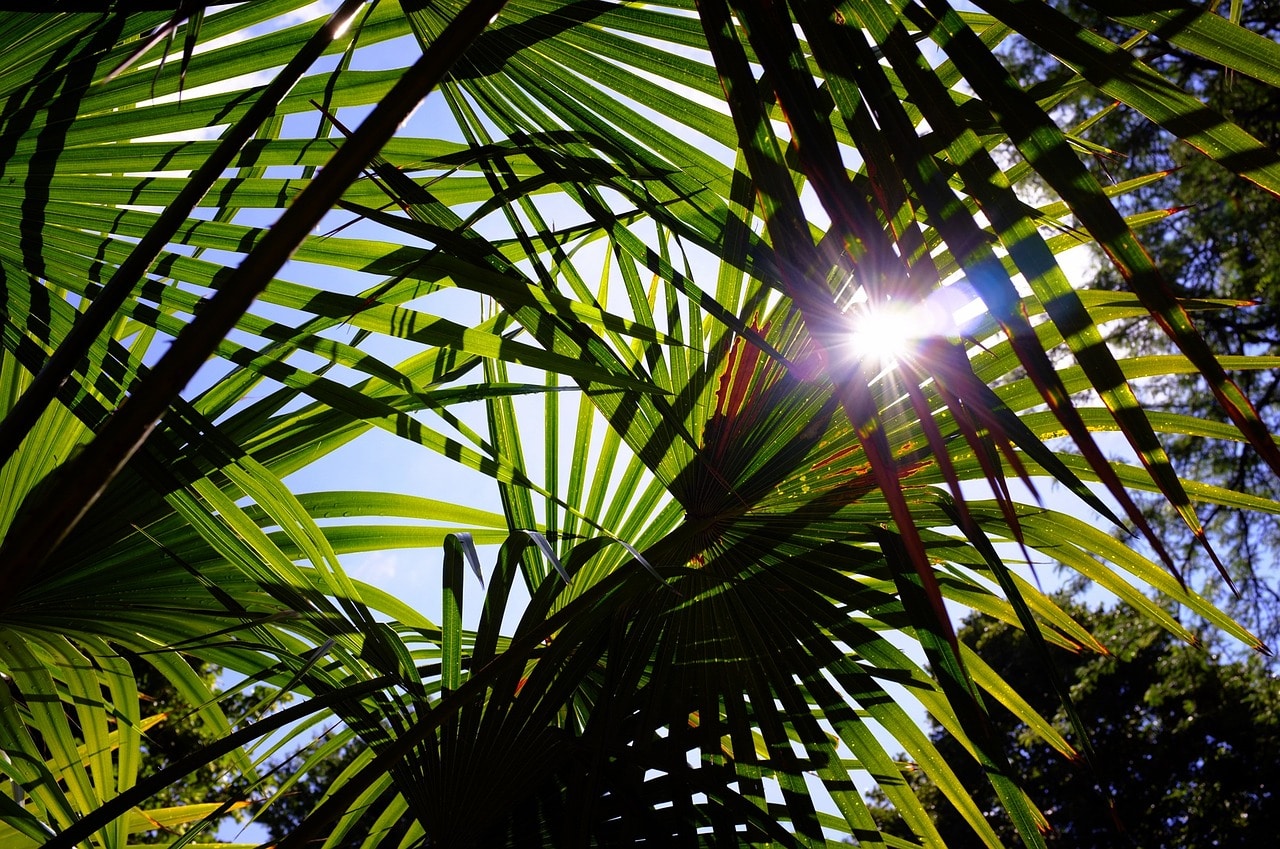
611 269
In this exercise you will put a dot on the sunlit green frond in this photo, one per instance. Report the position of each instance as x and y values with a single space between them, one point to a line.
695 552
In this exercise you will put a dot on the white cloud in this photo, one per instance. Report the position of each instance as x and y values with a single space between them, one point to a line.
378 568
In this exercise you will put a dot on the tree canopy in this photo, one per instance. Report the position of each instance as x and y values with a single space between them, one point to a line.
1216 240
1184 746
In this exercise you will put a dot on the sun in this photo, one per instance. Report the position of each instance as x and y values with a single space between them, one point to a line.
885 333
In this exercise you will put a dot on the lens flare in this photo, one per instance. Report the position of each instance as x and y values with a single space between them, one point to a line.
885 333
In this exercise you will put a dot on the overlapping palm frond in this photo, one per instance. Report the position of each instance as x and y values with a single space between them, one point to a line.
612 269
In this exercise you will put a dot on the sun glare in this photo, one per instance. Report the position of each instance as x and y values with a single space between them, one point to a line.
885 333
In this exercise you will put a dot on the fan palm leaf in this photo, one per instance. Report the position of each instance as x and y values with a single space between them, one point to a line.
612 269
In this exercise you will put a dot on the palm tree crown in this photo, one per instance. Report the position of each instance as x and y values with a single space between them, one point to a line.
617 268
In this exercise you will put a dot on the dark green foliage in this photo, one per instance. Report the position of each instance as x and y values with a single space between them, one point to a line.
290 807
1222 240
180 734
1187 746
